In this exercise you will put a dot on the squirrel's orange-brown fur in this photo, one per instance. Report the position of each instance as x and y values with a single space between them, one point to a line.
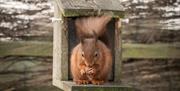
87 25
91 59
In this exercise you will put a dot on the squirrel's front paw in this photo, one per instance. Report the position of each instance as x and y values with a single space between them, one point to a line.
97 82
80 82
91 71
82 71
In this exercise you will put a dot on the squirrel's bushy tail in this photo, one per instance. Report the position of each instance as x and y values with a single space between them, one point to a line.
87 26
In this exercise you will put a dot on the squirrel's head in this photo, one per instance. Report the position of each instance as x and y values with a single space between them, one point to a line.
89 51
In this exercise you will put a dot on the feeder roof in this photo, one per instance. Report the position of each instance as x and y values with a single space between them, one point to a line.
73 8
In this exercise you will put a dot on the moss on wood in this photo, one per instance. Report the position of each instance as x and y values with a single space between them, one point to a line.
91 12
26 48
154 51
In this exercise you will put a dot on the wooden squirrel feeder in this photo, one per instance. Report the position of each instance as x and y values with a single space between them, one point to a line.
66 11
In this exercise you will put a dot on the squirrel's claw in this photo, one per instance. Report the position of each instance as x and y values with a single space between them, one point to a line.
81 82
97 82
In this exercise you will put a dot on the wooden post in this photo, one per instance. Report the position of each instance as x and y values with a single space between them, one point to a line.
60 48
118 51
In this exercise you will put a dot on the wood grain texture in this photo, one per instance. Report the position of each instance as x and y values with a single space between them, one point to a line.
118 52
151 51
24 48
39 88
71 8
92 4
60 48
71 86
135 51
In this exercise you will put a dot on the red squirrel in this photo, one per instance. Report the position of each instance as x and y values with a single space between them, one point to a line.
91 59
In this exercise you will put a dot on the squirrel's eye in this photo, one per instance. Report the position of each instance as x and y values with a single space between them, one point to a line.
82 54
96 54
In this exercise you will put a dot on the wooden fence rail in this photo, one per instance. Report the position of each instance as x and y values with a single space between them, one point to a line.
154 51
22 48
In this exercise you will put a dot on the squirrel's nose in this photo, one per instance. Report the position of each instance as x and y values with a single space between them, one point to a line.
90 65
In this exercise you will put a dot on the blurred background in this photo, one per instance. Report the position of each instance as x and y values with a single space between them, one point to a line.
26 34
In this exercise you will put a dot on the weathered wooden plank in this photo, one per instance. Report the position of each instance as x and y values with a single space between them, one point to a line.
33 88
36 38
118 53
71 8
38 88
92 4
71 86
80 12
60 48
26 48
153 51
